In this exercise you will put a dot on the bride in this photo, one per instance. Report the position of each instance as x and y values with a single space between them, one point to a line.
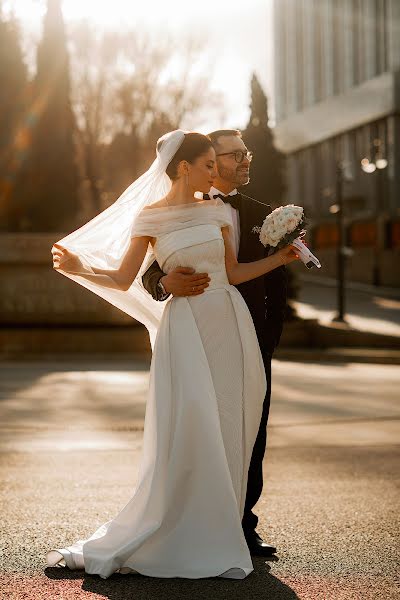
207 381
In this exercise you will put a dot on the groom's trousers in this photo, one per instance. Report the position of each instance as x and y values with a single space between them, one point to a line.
268 323
255 474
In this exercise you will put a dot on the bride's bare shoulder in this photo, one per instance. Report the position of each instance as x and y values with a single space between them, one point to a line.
160 204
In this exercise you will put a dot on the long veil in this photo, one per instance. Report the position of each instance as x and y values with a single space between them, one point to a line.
104 240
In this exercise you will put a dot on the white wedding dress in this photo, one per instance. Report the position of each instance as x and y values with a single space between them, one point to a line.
207 386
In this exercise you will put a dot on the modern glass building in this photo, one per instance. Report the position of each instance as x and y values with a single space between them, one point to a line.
337 100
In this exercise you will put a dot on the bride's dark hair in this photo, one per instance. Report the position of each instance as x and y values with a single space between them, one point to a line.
194 145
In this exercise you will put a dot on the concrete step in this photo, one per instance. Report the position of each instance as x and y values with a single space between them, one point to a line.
299 339
340 355
34 342
309 333
389 292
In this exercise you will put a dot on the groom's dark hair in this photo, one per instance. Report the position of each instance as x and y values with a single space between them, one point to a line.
215 135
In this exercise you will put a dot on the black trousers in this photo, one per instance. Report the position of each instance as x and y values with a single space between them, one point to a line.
255 476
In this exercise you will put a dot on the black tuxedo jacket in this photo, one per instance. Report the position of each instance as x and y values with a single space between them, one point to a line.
266 295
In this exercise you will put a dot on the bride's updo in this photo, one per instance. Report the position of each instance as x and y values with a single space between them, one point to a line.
193 146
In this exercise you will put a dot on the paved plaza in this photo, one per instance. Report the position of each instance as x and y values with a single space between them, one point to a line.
70 449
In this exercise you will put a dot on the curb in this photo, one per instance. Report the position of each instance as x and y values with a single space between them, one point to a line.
390 292
339 355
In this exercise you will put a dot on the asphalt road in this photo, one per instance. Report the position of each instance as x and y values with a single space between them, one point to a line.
70 445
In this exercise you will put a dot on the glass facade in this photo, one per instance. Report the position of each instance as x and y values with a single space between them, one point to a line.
328 49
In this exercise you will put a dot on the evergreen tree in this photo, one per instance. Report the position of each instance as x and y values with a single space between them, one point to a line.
122 163
49 181
267 180
13 90
267 168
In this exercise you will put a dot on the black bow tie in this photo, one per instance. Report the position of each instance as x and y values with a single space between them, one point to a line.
233 200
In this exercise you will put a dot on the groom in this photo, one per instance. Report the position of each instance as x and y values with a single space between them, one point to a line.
265 296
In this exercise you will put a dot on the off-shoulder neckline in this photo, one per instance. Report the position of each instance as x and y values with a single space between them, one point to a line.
198 203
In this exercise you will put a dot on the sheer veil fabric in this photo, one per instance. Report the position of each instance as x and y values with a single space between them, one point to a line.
104 240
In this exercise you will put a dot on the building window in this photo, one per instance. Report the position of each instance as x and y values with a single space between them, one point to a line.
299 37
327 165
357 34
347 52
319 51
280 58
370 29
337 43
291 74
308 57
328 48
381 36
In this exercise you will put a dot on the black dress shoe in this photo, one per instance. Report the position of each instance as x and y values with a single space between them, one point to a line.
257 546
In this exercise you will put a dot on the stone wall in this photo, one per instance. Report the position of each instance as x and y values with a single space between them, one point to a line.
43 313
32 292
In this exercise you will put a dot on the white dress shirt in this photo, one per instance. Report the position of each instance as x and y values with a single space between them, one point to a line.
235 215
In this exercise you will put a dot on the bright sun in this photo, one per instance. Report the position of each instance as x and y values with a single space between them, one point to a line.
127 13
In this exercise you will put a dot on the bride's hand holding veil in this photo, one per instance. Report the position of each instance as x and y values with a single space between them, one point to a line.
119 279
66 260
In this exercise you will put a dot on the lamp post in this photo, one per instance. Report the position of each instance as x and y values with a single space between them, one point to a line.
377 163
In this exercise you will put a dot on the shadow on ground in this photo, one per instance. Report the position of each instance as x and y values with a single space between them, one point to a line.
259 584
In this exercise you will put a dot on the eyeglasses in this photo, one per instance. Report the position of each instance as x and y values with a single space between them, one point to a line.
239 155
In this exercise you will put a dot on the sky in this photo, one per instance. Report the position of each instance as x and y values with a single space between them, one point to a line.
236 35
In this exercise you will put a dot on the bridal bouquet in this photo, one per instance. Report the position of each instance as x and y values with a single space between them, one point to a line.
284 226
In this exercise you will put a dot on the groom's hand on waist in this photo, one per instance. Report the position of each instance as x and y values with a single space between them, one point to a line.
184 281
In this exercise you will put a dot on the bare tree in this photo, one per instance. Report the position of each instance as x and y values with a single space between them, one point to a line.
128 89
94 58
